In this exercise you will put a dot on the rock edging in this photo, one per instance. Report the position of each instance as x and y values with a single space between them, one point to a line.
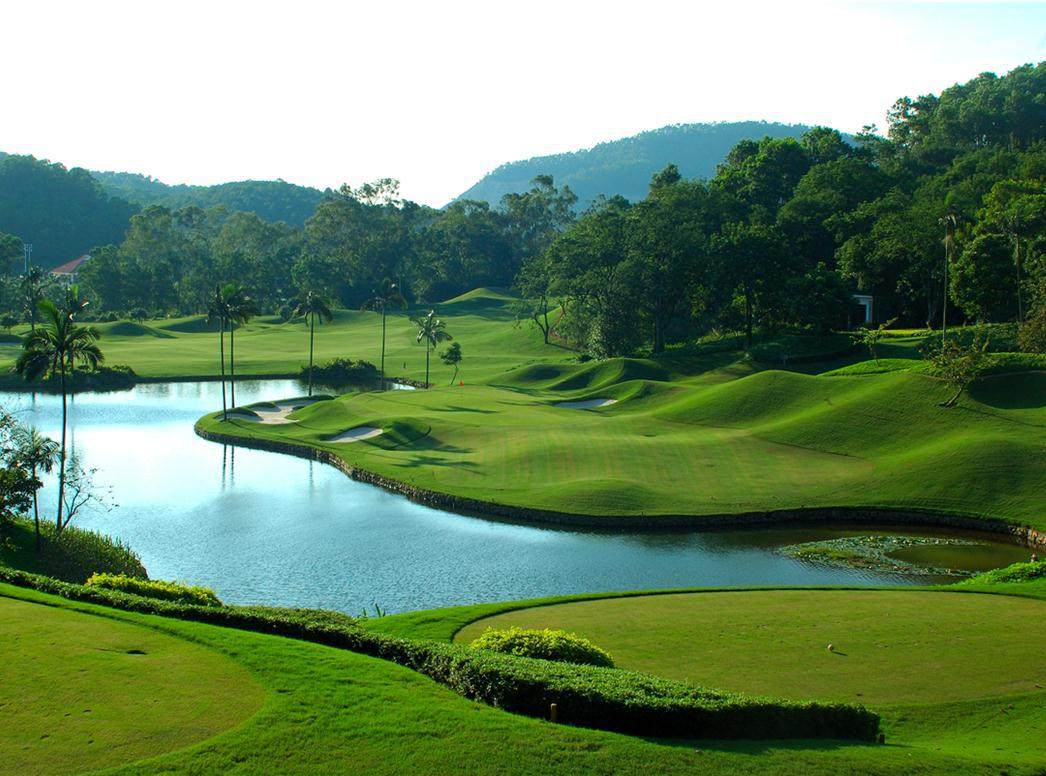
1021 534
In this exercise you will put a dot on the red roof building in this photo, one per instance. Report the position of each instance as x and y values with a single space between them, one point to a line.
67 272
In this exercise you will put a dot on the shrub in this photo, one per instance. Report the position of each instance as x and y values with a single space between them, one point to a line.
592 696
71 556
343 371
545 644
1016 572
1032 333
165 591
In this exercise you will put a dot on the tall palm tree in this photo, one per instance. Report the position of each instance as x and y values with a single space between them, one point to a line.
432 330
38 453
386 294
241 310
218 310
311 305
55 347
950 221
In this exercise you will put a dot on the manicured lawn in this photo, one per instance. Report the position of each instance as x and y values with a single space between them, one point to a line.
890 647
79 692
328 710
701 436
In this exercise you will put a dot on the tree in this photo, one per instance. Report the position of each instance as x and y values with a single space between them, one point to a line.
958 365
57 346
870 338
10 251
431 331
387 293
218 310
17 488
241 309
33 285
452 357
82 492
39 454
983 281
311 305
950 222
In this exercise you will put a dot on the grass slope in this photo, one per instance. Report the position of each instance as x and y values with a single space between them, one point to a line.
701 436
328 710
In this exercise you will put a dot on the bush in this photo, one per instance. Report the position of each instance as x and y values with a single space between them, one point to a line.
343 371
1032 333
165 591
72 556
544 644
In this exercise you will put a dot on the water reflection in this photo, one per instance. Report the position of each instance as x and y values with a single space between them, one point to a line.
266 528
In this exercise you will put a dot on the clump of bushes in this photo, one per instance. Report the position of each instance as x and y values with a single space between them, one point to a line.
1014 573
71 556
343 371
544 644
158 588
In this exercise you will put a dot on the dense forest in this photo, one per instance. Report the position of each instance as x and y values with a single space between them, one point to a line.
271 200
623 167
782 235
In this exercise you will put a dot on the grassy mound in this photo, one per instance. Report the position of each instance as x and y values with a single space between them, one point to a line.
130 329
82 693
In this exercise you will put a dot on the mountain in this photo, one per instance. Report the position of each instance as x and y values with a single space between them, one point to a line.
624 166
271 200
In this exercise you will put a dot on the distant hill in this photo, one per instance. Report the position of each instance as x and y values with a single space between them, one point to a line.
272 200
624 166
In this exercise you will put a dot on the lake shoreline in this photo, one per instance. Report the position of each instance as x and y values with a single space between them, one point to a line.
462 505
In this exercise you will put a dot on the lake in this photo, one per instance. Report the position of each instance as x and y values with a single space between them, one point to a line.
260 527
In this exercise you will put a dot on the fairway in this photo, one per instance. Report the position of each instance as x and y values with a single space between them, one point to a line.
704 436
889 647
79 692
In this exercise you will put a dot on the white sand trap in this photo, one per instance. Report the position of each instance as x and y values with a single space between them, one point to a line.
274 417
586 404
356 434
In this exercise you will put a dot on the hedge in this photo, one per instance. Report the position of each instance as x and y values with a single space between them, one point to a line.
155 588
545 644
590 696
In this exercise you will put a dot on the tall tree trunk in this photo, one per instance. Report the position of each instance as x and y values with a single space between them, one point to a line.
1017 261
944 301
232 362
748 317
312 333
61 455
383 346
426 365
221 352
36 513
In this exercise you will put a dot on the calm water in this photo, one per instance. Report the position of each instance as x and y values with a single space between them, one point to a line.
261 527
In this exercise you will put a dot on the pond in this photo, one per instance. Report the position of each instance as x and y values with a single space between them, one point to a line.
260 527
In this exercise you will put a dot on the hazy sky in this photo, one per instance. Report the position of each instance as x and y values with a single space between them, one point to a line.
438 93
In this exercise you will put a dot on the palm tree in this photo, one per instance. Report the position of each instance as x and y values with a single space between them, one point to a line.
38 453
950 221
310 305
431 330
56 346
241 309
218 310
387 293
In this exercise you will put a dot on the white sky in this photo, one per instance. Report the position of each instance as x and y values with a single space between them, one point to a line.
439 93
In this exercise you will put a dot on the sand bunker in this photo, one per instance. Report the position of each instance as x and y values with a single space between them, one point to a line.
585 404
356 434
274 415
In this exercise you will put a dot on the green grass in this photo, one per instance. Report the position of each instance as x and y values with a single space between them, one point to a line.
705 435
188 347
327 710
80 692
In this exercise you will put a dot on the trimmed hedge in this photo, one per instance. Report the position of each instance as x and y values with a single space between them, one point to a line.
166 591
544 644
591 696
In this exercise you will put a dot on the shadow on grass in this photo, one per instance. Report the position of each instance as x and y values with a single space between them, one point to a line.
753 746
457 408
431 460
1023 391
